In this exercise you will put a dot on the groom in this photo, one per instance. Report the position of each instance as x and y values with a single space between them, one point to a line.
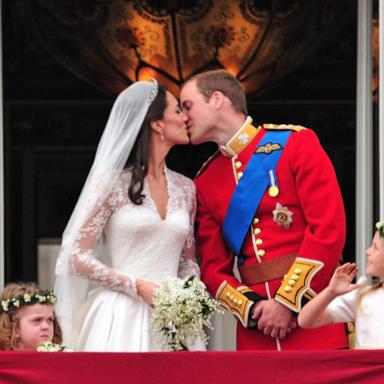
270 197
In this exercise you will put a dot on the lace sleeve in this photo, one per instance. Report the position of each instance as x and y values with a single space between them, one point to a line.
188 265
82 261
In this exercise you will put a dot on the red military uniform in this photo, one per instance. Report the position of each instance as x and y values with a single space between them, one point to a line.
305 219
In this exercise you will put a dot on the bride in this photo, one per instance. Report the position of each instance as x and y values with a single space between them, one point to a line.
138 212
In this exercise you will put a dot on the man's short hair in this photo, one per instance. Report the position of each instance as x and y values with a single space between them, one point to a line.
221 80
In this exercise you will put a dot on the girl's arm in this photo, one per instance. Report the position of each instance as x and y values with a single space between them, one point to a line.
315 313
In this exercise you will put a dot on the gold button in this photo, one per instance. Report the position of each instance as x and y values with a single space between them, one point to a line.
239 303
235 301
261 252
297 271
292 283
259 241
239 175
288 289
228 294
256 231
295 277
238 164
256 220
231 297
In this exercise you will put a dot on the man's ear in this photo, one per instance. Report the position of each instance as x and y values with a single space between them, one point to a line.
157 126
217 99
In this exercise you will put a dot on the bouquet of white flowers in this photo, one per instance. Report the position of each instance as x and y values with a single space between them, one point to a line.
182 309
49 346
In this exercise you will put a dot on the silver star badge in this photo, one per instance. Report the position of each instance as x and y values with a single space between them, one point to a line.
282 216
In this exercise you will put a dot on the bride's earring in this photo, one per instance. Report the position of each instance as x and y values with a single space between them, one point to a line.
161 136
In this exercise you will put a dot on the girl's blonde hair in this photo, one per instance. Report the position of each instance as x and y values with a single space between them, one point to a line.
9 320
380 230
364 292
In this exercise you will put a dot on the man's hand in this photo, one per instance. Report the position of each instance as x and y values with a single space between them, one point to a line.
273 319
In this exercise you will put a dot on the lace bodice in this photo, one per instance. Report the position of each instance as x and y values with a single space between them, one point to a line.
139 242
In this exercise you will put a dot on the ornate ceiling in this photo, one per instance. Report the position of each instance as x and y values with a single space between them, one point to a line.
112 43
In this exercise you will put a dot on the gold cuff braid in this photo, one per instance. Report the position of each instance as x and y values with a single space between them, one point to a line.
235 301
297 283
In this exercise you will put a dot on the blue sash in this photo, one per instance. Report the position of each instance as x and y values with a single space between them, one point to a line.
250 190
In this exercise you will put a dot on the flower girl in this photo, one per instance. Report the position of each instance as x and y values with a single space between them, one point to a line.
342 301
27 319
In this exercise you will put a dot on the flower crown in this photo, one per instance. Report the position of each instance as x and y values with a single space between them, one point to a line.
380 228
45 297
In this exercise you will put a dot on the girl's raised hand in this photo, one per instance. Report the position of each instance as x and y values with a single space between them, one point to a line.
341 281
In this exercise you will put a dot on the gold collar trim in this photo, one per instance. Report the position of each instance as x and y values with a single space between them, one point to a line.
240 139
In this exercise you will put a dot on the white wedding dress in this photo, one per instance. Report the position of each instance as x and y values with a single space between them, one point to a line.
140 245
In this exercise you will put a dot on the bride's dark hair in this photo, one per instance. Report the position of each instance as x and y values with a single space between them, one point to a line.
137 161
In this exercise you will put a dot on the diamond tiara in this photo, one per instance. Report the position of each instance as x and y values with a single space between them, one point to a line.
154 90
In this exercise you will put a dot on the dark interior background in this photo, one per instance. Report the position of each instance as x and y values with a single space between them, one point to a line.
53 121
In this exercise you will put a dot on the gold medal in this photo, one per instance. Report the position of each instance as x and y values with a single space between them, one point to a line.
273 191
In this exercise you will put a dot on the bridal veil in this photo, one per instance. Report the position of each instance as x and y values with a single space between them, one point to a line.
120 133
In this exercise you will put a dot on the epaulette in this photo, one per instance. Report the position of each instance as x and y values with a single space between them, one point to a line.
206 164
292 127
